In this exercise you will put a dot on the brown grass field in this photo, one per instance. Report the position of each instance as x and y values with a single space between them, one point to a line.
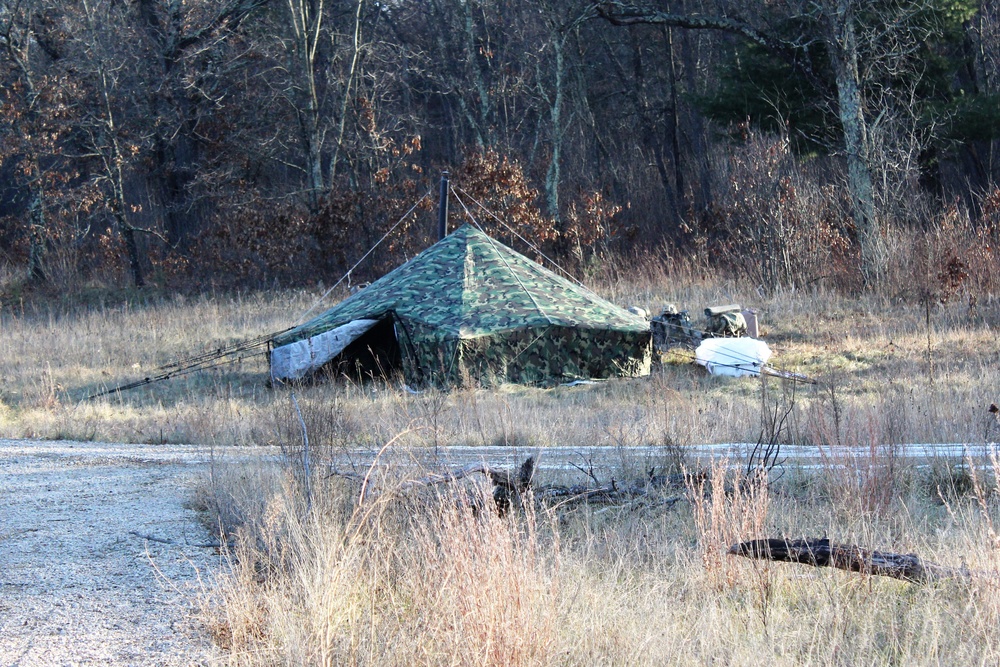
419 579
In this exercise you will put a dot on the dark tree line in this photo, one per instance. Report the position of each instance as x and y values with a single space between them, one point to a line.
250 140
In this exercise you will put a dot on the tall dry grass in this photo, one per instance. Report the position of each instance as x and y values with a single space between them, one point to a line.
425 580
429 582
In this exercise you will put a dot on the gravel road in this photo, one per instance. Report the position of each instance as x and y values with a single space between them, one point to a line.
76 587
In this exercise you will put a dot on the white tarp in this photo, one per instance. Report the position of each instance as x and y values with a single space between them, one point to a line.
297 360
733 356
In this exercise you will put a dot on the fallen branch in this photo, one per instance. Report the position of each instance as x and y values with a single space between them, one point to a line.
821 553
510 480
617 493
607 494
514 484
518 480
161 540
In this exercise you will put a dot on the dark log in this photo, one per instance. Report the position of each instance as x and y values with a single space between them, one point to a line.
821 553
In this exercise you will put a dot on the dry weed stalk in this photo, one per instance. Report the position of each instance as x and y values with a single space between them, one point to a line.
728 507
863 483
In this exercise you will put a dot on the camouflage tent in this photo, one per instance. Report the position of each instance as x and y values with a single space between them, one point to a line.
470 309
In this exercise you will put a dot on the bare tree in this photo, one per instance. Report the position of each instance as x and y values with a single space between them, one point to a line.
24 57
324 44
835 24
107 141
179 38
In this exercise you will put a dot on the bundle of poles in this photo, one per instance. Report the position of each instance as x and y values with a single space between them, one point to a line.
221 356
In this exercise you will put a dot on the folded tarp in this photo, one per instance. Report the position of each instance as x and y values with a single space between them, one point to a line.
733 356
301 358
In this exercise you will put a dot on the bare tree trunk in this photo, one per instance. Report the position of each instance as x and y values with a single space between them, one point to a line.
680 195
479 79
844 60
646 124
106 144
36 227
347 89
17 41
306 20
553 176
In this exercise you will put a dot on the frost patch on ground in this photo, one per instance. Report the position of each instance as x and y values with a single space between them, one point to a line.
76 588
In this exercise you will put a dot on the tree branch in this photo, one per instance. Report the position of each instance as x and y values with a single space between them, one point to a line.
795 53
161 540
230 17
619 13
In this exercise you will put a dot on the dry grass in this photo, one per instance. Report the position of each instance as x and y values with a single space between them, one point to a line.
427 582
871 355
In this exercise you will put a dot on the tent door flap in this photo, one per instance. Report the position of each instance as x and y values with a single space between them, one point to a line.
301 358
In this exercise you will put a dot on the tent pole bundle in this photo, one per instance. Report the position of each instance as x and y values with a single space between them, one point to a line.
221 356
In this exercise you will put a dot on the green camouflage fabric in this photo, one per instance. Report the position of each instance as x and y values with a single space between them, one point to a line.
732 325
470 309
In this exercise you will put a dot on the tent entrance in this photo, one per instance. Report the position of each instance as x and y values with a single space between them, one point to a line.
374 354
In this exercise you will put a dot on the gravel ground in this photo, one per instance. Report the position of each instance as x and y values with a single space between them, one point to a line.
76 587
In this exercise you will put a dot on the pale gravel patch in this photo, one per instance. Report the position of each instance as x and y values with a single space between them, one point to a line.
76 588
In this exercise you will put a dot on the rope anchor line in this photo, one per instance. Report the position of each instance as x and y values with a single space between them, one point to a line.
229 354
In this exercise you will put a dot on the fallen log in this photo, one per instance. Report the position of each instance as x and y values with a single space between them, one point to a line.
822 553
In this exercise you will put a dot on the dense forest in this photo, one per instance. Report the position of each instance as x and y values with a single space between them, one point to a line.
249 142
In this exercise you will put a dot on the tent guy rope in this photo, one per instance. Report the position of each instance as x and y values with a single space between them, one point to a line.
503 259
303 316
513 231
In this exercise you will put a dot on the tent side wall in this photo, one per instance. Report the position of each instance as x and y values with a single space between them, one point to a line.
537 356
550 355
428 354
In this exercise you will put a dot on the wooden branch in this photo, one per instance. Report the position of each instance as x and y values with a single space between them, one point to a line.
794 52
161 540
604 495
821 553
618 13
615 492
230 16
453 476
510 484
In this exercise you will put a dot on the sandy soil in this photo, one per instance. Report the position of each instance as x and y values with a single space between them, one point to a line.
76 587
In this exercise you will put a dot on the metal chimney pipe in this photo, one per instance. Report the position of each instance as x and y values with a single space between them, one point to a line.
443 207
